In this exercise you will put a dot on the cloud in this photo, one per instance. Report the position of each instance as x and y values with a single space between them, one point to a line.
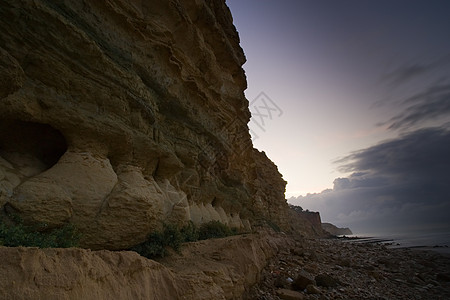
420 153
405 73
395 185
421 90
425 106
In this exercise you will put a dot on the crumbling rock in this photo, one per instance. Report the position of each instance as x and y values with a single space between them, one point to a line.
214 269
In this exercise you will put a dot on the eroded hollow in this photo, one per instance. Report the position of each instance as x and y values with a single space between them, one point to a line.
29 144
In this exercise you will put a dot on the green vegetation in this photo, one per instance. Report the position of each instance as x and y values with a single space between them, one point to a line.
190 232
157 242
215 229
14 233
17 234
296 208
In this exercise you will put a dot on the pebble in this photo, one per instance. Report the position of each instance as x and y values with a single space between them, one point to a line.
312 289
337 269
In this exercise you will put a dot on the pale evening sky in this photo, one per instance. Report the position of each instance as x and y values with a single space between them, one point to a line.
347 75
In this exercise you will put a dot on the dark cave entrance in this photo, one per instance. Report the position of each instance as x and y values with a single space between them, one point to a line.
39 141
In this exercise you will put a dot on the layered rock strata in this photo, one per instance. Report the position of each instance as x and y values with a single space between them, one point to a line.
213 269
120 115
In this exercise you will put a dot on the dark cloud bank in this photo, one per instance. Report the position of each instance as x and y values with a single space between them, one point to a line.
396 186
400 185
433 103
428 103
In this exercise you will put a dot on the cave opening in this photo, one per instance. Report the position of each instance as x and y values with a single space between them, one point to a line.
28 142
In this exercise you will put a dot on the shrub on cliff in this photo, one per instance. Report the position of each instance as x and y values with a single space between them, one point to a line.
17 234
157 242
153 247
190 232
214 229
296 208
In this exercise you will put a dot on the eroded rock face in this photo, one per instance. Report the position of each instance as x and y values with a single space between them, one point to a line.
213 269
332 229
306 223
121 115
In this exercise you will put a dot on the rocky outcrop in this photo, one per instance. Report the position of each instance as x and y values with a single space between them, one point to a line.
120 115
332 229
214 269
306 223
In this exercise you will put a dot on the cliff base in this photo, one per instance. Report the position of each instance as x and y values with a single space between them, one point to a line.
213 269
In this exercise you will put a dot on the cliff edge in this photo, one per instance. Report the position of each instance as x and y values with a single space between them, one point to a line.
216 269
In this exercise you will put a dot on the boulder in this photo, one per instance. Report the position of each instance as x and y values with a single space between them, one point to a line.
326 280
302 280
312 289
286 294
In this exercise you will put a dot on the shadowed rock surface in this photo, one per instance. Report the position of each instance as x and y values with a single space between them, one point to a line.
214 269
334 230
118 116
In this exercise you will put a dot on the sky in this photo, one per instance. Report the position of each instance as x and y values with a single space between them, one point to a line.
351 100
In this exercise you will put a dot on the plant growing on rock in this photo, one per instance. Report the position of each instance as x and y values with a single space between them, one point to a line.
157 242
16 233
214 229
190 232
171 236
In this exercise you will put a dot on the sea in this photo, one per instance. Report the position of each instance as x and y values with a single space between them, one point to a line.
434 241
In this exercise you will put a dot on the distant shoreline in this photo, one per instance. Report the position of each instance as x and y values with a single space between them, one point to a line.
393 243
354 268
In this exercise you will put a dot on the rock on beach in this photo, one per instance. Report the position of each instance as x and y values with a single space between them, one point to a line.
347 270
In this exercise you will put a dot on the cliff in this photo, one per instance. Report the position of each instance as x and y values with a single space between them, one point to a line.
215 269
304 222
118 116
332 229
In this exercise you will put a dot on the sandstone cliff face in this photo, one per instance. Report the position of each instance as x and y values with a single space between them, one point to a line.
214 269
120 115
332 229
306 223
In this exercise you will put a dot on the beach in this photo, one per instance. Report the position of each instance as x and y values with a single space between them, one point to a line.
345 269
